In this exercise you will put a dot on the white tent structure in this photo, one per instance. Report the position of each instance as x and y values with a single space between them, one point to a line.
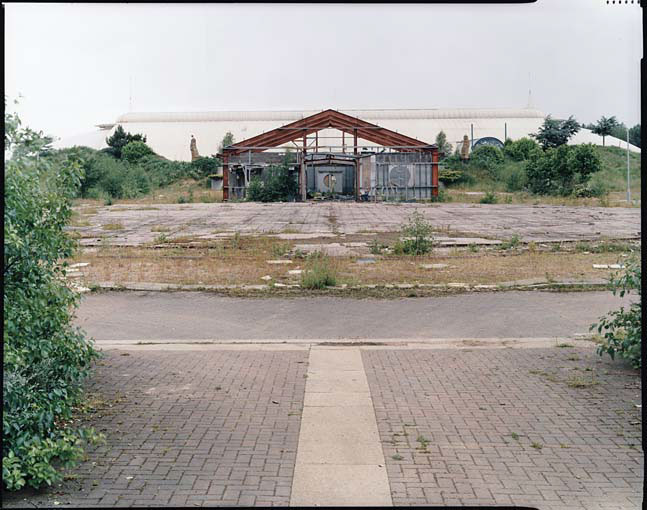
169 134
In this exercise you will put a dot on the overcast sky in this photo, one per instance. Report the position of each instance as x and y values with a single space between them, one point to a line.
74 63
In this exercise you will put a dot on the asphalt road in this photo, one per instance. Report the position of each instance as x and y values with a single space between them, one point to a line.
203 316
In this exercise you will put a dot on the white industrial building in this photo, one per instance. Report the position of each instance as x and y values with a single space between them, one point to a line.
169 134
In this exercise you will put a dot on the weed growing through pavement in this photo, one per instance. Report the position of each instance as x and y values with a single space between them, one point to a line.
511 243
577 381
319 272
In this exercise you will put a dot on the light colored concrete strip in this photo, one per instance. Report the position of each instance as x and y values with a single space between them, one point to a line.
340 485
340 461
325 364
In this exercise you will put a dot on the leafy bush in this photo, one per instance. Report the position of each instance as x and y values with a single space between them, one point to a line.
514 179
163 172
45 357
255 190
204 166
319 273
277 185
487 157
442 196
559 171
417 233
106 177
519 150
489 198
134 151
623 328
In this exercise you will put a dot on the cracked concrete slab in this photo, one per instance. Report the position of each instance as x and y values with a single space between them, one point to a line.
538 223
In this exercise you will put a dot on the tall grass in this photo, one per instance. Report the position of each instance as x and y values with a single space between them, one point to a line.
320 273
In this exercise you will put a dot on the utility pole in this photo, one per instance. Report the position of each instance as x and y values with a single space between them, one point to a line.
628 177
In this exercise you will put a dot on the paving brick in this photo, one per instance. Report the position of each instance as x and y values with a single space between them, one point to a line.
190 428
454 399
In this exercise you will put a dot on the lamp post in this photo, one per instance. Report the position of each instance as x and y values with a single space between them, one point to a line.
628 177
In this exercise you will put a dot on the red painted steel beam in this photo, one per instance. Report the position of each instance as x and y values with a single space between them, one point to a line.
324 120
434 172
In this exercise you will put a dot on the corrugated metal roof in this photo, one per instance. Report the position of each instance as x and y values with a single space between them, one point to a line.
390 114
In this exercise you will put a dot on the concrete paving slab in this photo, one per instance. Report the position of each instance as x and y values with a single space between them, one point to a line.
328 381
341 485
338 428
336 399
331 360
203 221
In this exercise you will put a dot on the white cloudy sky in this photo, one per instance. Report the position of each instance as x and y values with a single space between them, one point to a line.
73 63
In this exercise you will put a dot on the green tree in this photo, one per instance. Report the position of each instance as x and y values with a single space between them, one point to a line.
554 133
605 127
119 140
444 146
634 135
227 140
45 357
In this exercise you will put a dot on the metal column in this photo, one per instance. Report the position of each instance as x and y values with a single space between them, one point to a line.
225 177
356 165
434 172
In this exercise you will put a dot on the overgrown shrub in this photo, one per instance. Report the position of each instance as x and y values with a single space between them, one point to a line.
255 190
204 166
514 179
561 170
134 151
45 357
487 157
623 327
442 196
489 198
417 236
519 150
107 177
278 185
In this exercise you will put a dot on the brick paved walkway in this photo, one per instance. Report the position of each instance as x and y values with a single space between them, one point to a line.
449 421
220 426
191 429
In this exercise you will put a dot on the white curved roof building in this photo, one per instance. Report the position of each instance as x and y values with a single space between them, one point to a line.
169 134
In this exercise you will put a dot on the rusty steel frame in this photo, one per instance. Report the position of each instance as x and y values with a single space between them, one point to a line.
328 119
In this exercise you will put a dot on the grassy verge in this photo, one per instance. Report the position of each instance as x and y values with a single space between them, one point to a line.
244 261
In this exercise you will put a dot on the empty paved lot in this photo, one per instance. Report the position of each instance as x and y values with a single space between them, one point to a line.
544 423
142 224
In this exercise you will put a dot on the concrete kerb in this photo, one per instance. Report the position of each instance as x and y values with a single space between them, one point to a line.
598 284
579 340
